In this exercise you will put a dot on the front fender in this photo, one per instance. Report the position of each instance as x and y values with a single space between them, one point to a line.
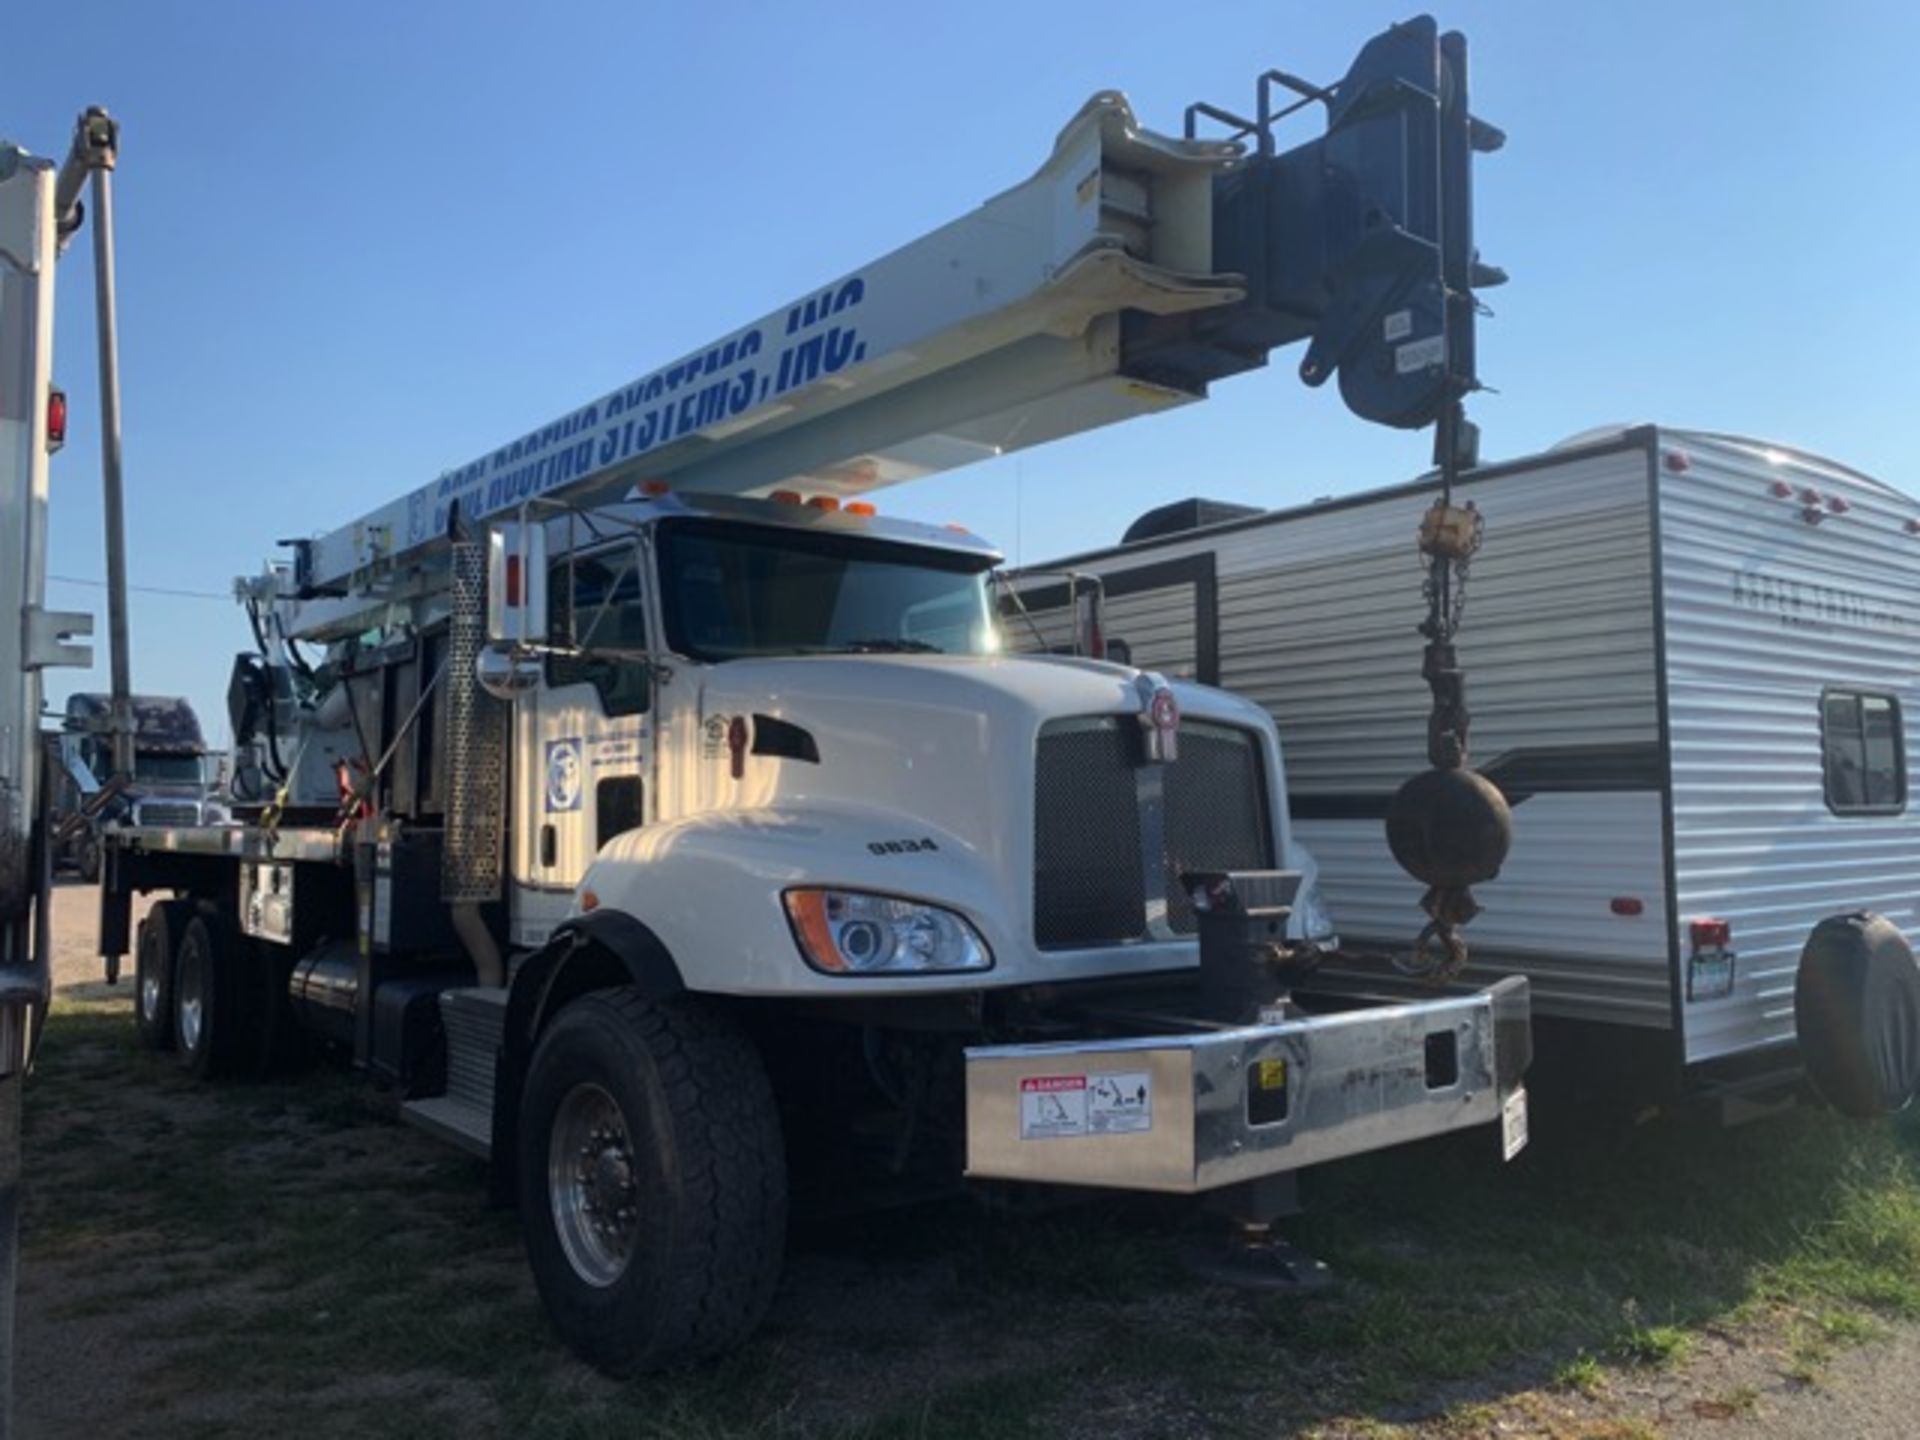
595 950
709 887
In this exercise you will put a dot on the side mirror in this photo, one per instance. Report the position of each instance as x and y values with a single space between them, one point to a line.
517 584
504 672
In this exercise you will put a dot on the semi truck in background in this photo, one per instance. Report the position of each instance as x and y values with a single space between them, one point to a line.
175 779
668 828
1693 659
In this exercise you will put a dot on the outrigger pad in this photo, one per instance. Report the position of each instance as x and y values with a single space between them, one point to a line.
1856 1006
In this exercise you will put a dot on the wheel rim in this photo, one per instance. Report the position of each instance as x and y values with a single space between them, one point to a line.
193 1005
150 997
591 1184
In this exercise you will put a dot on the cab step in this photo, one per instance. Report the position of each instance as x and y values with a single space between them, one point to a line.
474 1019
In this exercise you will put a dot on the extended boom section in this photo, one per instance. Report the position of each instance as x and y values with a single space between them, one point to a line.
1129 272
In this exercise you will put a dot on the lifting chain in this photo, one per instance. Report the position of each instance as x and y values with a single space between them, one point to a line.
1450 536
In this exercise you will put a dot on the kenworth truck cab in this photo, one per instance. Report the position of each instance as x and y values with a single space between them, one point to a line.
661 823
754 691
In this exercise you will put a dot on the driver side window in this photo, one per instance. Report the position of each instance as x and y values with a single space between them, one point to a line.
603 612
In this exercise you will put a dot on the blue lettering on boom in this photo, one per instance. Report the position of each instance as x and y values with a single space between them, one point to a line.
820 338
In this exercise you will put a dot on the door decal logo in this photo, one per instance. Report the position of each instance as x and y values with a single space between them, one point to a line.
563 774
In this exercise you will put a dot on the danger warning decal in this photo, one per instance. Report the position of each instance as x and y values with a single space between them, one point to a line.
1057 1107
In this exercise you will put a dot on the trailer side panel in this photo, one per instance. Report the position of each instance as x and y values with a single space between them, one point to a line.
1316 621
1771 617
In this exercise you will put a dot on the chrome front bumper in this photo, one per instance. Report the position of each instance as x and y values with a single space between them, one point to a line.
1191 1112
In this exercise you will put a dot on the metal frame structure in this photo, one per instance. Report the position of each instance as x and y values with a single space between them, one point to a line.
40 210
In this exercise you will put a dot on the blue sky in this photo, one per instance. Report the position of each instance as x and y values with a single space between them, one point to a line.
360 243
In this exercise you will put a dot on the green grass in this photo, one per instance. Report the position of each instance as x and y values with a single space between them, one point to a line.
1583 1374
1654 1345
297 1239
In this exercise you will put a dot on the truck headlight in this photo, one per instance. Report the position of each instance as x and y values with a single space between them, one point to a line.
849 932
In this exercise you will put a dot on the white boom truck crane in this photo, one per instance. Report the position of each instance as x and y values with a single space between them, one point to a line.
666 826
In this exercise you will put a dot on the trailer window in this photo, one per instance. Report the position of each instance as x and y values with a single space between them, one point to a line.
603 614
1863 753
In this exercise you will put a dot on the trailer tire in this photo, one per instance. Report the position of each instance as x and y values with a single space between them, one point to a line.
153 969
204 1021
652 1178
1856 1002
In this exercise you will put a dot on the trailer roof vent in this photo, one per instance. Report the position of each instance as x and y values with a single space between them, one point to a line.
1183 515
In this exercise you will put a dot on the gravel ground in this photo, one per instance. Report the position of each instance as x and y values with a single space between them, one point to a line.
88 1371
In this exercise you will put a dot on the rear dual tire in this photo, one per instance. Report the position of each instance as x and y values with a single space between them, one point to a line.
230 1014
652 1178
155 947
203 1019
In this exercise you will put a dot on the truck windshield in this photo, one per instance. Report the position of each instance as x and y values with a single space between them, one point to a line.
731 590
166 769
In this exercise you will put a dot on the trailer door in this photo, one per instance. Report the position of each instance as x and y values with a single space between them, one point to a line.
1163 612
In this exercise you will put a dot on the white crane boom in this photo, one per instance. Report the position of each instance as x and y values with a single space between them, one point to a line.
1127 273
994 332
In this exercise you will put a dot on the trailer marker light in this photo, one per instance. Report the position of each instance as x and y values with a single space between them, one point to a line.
1678 462
513 579
1711 934
785 497
1781 489
865 509
1839 504
1628 905
1913 527
655 487
825 502
1710 966
56 419
589 900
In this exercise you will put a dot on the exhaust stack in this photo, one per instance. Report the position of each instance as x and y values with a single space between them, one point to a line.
471 858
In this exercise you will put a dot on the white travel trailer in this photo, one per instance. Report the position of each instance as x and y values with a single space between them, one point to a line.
1692 672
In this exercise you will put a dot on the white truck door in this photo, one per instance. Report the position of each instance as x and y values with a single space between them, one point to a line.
583 737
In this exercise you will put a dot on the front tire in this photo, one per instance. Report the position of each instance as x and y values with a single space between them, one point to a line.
652 1180
159 941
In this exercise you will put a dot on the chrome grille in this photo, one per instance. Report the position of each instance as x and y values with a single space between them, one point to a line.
1088 887
1216 811
1090 883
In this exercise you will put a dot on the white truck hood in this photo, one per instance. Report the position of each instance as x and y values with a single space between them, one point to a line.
924 786
944 736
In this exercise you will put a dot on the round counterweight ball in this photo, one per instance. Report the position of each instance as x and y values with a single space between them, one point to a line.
1450 828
